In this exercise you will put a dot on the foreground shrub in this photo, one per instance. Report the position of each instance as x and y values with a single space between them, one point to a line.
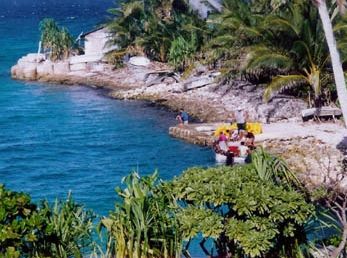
28 230
242 213
144 223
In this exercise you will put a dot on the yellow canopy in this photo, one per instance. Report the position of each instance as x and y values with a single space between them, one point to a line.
255 128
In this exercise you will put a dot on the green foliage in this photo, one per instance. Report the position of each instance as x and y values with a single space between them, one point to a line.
280 43
270 168
71 225
143 223
152 25
243 213
28 230
236 27
300 56
181 53
195 220
58 41
115 58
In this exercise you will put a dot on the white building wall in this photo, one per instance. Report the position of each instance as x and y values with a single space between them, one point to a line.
96 43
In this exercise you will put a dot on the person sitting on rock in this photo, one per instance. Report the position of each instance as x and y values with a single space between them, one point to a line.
182 117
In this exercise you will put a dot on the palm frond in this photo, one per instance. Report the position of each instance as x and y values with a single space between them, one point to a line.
264 57
282 24
341 26
282 82
301 46
132 7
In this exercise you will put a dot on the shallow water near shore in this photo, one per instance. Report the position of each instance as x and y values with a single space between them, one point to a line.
56 138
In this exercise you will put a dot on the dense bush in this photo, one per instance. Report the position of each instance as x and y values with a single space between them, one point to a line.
154 25
242 213
28 230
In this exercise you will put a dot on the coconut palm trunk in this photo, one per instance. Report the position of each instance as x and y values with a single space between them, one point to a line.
335 57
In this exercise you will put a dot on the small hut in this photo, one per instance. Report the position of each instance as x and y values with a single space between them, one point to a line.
95 44
96 41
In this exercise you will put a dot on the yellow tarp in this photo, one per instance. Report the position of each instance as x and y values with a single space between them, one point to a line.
255 128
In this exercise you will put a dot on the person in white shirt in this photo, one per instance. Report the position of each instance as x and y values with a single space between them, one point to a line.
244 150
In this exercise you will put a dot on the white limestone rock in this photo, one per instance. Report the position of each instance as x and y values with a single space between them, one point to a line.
78 67
44 69
31 58
14 71
29 71
61 68
139 61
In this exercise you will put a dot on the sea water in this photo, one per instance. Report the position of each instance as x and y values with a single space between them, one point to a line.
56 138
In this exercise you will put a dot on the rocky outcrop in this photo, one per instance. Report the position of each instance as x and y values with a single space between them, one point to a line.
208 101
26 67
194 133
310 157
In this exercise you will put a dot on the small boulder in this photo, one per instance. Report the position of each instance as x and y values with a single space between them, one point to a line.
139 61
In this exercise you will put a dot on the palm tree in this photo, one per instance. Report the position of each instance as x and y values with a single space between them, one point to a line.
151 26
58 41
236 27
293 47
334 54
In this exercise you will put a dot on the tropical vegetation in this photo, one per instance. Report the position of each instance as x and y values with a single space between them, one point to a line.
283 47
55 40
157 29
30 230
280 44
256 210
144 222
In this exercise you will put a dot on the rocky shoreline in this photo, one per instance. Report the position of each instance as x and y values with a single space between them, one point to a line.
200 94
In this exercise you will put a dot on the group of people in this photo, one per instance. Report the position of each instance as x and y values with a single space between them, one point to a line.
236 145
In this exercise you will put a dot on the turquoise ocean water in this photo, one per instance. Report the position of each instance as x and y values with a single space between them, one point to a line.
55 138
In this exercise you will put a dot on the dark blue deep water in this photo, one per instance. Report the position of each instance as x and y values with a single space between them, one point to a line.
56 138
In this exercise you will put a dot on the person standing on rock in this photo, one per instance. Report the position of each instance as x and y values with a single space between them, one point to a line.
240 116
182 117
